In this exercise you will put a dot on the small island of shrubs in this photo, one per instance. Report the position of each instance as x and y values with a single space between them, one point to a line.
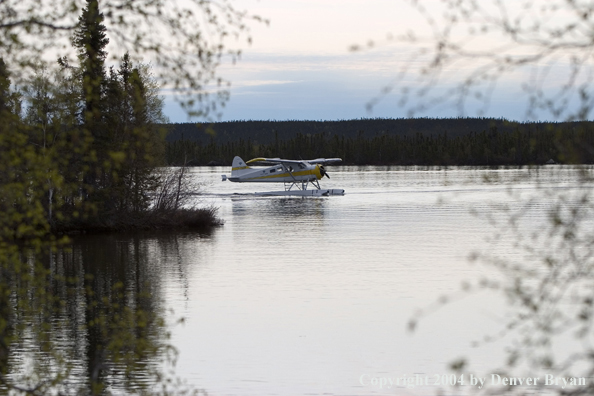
83 145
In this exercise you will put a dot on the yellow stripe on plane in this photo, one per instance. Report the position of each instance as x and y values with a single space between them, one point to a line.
259 159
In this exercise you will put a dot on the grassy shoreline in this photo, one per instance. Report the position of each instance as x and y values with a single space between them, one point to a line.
177 219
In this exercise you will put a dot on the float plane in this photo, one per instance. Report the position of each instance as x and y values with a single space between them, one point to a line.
295 174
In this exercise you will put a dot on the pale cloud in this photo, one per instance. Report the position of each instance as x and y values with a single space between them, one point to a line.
300 66
324 26
256 83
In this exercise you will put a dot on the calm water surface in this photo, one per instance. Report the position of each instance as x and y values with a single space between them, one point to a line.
312 296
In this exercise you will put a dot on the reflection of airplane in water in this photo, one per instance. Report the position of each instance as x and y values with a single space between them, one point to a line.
296 174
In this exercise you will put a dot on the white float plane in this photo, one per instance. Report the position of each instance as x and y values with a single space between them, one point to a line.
296 174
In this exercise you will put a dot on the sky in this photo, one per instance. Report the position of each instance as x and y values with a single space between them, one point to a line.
300 67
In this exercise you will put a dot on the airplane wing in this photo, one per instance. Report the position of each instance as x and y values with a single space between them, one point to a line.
274 161
271 161
325 161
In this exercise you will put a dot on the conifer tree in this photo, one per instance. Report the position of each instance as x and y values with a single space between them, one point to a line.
90 40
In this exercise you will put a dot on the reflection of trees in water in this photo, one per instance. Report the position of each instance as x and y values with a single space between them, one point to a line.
89 317
122 293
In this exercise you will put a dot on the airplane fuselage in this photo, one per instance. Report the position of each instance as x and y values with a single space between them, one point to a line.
302 172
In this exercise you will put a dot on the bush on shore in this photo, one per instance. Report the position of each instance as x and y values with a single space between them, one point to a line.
175 205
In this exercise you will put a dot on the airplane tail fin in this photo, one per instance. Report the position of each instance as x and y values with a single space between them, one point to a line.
238 167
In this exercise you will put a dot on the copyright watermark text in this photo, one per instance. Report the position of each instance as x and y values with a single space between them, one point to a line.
412 381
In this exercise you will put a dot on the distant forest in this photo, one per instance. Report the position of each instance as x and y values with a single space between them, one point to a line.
419 141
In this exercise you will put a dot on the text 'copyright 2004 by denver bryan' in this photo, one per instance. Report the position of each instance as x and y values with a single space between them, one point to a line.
412 381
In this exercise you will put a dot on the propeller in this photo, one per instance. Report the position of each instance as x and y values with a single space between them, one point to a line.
323 172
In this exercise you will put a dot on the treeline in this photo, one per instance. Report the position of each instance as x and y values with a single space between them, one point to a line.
387 142
264 132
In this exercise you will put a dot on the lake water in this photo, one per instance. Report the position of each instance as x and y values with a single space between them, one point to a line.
312 296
